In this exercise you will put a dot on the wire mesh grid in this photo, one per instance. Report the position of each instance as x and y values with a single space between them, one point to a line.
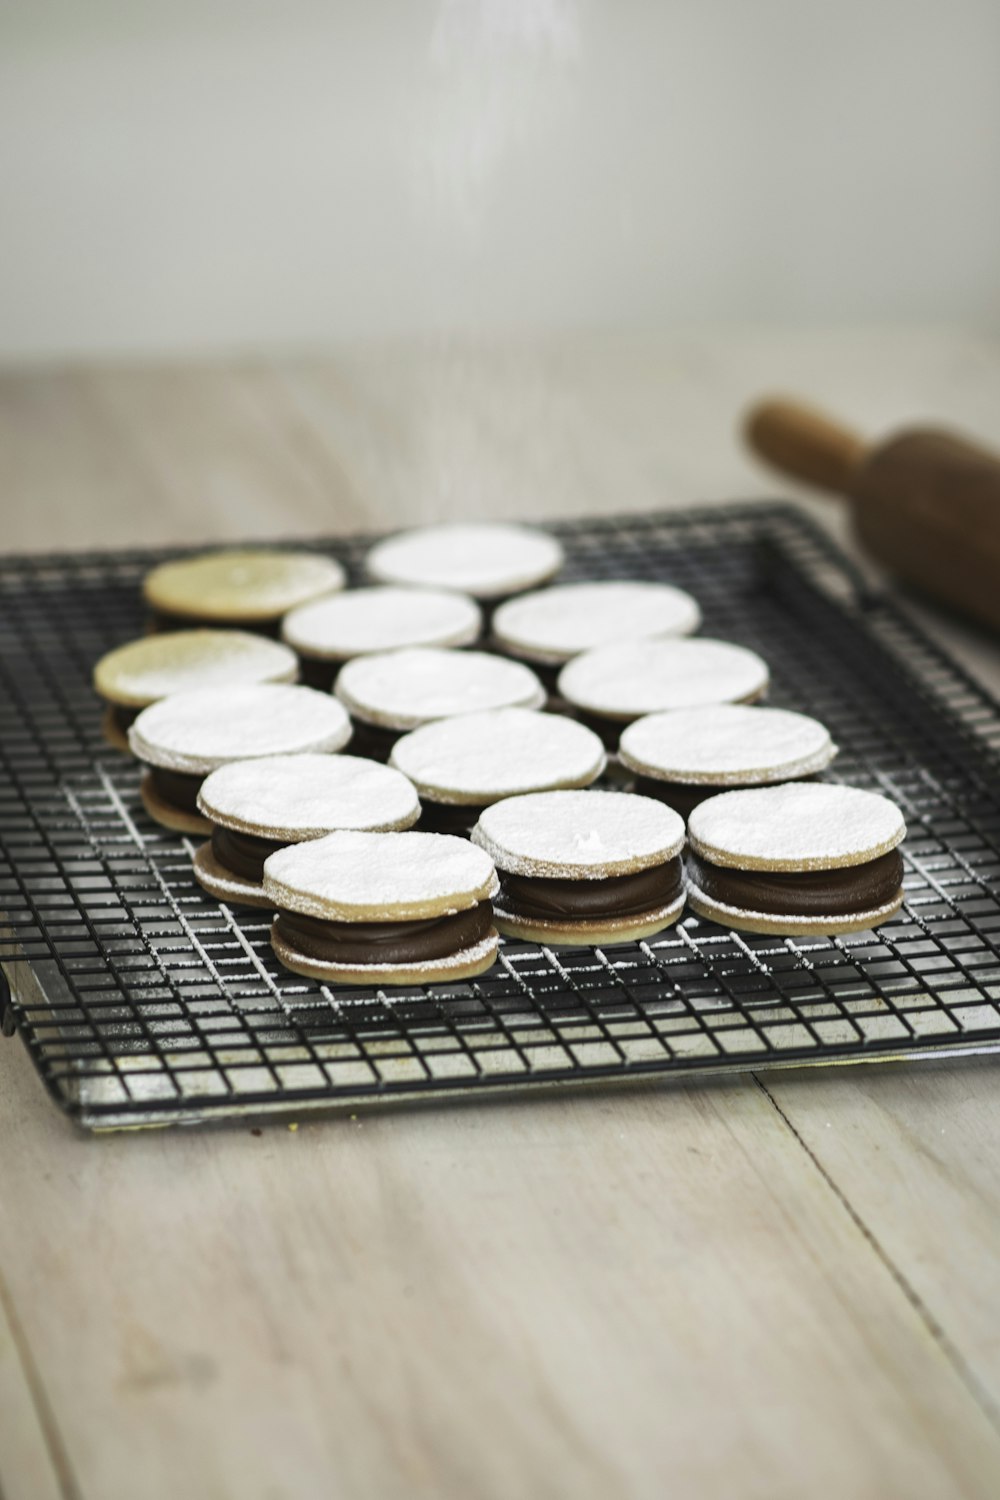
143 1001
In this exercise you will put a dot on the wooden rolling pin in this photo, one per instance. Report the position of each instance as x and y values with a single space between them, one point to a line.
926 503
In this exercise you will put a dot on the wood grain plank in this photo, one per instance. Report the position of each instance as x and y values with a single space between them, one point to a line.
28 1470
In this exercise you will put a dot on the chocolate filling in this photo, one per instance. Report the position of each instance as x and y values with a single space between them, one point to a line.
684 797
161 620
802 893
372 741
123 718
316 672
177 787
243 853
448 817
385 942
559 900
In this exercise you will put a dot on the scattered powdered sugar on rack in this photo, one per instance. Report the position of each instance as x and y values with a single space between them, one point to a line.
382 618
484 756
557 623
726 742
586 835
644 677
800 826
404 689
298 797
487 561
196 731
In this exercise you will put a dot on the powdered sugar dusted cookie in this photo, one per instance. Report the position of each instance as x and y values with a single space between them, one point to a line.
184 737
488 561
805 857
461 765
361 621
584 867
688 754
383 908
399 690
256 807
616 684
253 588
555 624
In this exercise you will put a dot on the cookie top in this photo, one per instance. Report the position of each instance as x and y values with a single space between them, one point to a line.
293 797
258 585
380 877
803 825
554 624
197 731
726 742
403 689
362 621
488 561
154 666
479 758
579 835
643 677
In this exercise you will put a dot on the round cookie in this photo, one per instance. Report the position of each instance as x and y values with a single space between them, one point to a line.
488 561
359 622
132 676
184 737
615 684
555 624
461 765
394 691
688 754
251 588
255 807
584 867
802 858
383 908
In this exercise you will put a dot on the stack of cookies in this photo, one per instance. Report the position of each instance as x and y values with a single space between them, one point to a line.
404 769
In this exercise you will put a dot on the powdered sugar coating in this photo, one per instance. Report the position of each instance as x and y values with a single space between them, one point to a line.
643 677
487 560
769 922
360 621
143 671
403 689
802 825
726 742
197 731
579 835
478 758
295 797
376 877
554 624
241 585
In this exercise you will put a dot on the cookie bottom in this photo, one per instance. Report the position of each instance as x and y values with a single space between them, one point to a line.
463 965
598 932
785 926
166 813
224 884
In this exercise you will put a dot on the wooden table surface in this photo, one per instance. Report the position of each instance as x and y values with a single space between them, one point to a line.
785 1286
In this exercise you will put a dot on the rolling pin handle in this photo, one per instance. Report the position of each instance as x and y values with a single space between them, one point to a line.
805 444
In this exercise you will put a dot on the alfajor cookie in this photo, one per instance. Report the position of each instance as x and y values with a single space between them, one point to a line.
383 908
488 561
803 858
395 691
462 765
584 867
692 753
360 622
548 627
142 672
613 685
184 737
255 807
248 588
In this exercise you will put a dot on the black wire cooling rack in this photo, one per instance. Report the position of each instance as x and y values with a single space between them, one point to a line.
143 1001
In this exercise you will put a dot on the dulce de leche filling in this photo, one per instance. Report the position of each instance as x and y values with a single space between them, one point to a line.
559 900
802 893
177 787
385 942
242 853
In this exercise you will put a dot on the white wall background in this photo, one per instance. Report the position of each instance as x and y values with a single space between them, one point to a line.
220 174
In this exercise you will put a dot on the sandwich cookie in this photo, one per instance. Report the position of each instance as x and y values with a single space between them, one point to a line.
487 561
395 691
462 765
613 685
584 867
252 589
362 621
256 807
185 737
807 857
133 676
383 908
690 754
